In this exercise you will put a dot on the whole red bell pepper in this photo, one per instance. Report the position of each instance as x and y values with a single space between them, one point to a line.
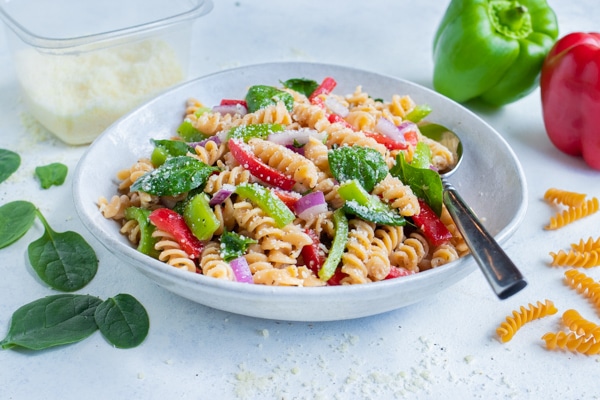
570 91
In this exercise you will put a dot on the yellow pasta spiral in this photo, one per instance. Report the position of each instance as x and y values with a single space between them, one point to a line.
310 116
572 342
357 252
567 198
285 160
572 258
115 208
211 123
329 187
398 195
233 176
171 253
581 326
507 329
589 245
443 254
339 135
213 265
391 236
210 152
224 214
131 229
573 214
317 152
584 285
130 175
441 157
273 114
378 263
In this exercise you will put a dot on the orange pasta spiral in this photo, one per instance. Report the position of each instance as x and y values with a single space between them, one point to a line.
572 258
572 342
507 329
581 326
584 285
589 245
559 196
573 214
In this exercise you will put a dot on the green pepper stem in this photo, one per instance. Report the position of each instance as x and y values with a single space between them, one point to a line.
510 18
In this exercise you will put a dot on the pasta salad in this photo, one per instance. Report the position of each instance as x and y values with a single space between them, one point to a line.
293 185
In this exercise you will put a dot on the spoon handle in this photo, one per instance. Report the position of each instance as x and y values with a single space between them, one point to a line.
502 274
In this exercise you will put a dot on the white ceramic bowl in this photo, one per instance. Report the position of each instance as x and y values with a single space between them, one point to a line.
490 179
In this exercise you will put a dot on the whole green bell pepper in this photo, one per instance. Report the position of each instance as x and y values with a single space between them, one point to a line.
492 49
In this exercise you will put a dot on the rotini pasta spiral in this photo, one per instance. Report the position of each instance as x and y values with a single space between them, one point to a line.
357 253
401 197
573 214
213 265
572 258
584 285
443 254
171 253
572 342
589 245
507 329
581 326
559 196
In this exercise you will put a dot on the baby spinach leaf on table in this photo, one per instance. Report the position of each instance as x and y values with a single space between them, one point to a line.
123 321
9 163
64 260
52 321
15 220
51 174
361 163
177 175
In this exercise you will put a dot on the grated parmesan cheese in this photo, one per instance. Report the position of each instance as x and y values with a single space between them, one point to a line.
78 96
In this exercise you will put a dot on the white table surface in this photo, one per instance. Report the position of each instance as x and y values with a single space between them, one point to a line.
444 347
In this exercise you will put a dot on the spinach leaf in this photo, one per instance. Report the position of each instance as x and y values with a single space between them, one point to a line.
9 163
177 175
15 220
234 245
261 96
361 163
52 321
189 133
164 149
376 211
247 132
51 174
301 85
123 321
424 182
64 260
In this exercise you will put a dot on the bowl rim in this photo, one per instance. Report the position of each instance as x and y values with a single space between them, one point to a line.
101 39
131 256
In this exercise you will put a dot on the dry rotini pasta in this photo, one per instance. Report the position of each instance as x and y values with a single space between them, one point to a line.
584 285
564 197
570 341
588 245
573 213
240 191
571 258
580 326
513 323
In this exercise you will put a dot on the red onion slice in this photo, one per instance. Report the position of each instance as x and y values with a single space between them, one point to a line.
222 194
310 205
387 128
241 270
232 109
290 137
336 107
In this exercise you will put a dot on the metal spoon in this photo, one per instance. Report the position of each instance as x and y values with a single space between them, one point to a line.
501 273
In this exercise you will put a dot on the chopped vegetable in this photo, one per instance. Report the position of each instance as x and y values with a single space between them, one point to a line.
355 162
234 245
431 225
398 272
367 206
146 241
571 96
310 205
200 218
492 50
326 87
244 155
336 251
418 113
222 194
241 270
231 109
247 132
188 132
169 221
301 85
261 96
267 201
164 149
177 175
312 254
295 137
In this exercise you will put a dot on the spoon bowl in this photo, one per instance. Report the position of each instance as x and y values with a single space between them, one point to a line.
499 270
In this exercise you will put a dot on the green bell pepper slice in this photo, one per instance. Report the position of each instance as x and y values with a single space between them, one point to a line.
338 246
147 242
267 201
492 49
367 206
200 218
247 132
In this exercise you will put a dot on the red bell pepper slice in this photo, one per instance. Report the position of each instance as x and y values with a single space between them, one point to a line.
244 155
337 277
334 118
169 221
432 226
398 272
233 102
325 87
570 93
311 253
289 198
410 138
